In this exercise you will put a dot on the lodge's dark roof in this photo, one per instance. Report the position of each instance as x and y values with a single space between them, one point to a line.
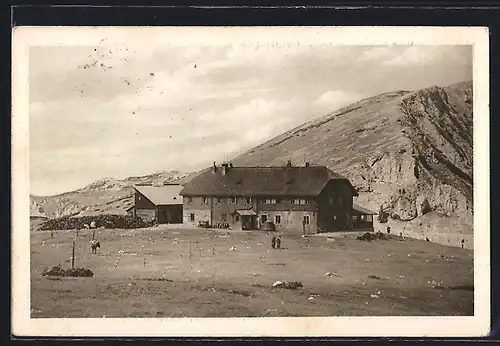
262 181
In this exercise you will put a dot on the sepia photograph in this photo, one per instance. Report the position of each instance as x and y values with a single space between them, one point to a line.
250 181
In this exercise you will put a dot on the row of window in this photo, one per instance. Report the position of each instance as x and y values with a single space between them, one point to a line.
248 200
292 201
222 216
277 219
218 200
263 218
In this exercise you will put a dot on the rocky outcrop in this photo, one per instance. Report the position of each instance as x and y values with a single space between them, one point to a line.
438 122
36 210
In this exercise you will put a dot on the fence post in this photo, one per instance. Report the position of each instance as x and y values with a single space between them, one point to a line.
73 257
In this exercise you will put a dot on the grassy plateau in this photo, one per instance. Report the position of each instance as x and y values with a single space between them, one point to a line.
177 272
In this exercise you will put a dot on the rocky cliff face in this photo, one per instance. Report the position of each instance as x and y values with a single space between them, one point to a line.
434 170
409 153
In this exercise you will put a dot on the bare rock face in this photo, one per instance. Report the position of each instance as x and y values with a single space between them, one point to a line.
435 172
36 210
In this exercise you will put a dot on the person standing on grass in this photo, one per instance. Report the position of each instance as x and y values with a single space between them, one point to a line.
278 242
273 241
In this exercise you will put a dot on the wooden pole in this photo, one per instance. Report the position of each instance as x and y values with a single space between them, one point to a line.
73 257
93 234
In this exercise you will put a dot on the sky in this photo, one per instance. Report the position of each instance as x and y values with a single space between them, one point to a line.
119 110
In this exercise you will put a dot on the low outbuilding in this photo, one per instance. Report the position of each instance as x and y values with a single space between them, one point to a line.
162 203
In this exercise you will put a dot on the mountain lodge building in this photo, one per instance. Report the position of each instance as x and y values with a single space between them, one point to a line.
303 199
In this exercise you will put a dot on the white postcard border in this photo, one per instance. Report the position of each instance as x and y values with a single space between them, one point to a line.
23 325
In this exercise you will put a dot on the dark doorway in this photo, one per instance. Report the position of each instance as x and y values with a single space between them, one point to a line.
248 222
170 214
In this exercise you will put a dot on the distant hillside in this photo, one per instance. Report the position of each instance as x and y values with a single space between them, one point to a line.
106 195
409 152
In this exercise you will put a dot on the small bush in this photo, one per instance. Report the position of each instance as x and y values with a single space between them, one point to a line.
73 272
372 236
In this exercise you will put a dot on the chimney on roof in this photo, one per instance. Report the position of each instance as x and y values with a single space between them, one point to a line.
225 168
307 164
214 168
289 163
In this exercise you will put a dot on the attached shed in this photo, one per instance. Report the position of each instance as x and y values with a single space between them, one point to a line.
362 218
161 203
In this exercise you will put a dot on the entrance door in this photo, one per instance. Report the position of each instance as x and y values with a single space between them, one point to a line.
245 222
248 222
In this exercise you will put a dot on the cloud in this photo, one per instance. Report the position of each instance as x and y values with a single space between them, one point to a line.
461 55
414 55
398 56
250 121
376 53
334 99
